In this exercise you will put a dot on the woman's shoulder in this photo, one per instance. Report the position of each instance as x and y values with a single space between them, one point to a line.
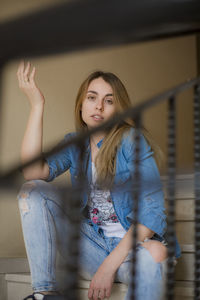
74 147
70 135
128 142
64 141
129 137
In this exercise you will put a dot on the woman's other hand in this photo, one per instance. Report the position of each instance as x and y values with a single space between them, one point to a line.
26 79
101 284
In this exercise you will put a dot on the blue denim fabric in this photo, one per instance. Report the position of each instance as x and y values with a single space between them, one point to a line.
151 200
44 222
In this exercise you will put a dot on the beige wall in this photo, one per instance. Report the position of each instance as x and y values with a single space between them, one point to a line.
145 69
10 9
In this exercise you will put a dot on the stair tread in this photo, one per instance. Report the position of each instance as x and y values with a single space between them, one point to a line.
26 278
18 277
182 287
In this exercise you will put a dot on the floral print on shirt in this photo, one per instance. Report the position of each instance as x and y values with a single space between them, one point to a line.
100 206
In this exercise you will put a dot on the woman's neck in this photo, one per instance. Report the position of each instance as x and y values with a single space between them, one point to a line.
96 138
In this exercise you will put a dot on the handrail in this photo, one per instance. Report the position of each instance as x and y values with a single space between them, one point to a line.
67 26
114 22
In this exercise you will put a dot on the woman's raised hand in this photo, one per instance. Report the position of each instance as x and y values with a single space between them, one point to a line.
26 79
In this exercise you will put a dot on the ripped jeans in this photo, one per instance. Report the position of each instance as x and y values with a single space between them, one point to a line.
45 223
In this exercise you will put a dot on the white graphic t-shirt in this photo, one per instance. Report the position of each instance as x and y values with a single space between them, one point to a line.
101 209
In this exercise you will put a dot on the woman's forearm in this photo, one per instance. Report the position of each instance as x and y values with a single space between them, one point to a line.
32 143
118 255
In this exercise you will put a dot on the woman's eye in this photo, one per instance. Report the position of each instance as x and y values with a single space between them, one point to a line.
91 97
109 101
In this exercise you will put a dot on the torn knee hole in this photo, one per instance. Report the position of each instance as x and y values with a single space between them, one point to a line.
26 189
23 195
23 205
28 185
157 250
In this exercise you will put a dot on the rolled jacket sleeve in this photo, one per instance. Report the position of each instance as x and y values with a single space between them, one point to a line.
59 162
151 212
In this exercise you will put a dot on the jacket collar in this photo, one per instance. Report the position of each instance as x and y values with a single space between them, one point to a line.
88 144
100 143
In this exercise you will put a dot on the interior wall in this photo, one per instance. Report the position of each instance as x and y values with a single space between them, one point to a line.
146 69
10 9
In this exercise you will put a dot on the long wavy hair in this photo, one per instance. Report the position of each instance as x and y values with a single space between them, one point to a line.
106 159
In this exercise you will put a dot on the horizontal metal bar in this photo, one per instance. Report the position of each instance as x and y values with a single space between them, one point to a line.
84 24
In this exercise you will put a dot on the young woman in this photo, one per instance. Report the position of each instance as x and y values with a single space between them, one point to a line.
106 229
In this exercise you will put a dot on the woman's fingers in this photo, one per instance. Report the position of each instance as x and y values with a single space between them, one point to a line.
20 72
32 75
26 72
108 293
101 294
24 75
90 293
95 294
21 67
98 294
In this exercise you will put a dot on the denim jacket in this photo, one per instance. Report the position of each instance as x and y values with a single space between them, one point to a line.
151 211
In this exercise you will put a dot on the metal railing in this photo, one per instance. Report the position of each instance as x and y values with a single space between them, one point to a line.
132 21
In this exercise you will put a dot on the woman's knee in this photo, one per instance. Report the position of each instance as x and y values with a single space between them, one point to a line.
157 250
29 186
26 192
35 193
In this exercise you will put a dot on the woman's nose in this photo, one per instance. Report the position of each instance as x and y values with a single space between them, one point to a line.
99 105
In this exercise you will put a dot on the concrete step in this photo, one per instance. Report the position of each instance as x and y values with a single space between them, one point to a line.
19 286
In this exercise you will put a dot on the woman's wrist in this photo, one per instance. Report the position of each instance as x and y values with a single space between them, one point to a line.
110 265
37 106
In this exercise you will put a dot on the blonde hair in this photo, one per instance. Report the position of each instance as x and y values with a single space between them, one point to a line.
106 159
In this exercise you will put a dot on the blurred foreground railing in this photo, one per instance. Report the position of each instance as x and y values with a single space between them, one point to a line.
55 30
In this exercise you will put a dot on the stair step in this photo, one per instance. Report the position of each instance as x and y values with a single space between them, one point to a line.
19 277
19 286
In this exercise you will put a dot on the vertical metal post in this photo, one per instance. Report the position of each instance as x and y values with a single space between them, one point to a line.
1 100
197 188
171 196
72 260
136 198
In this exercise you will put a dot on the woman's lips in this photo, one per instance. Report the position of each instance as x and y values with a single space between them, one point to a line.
97 117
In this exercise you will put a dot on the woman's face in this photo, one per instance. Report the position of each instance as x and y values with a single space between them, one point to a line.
99 104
